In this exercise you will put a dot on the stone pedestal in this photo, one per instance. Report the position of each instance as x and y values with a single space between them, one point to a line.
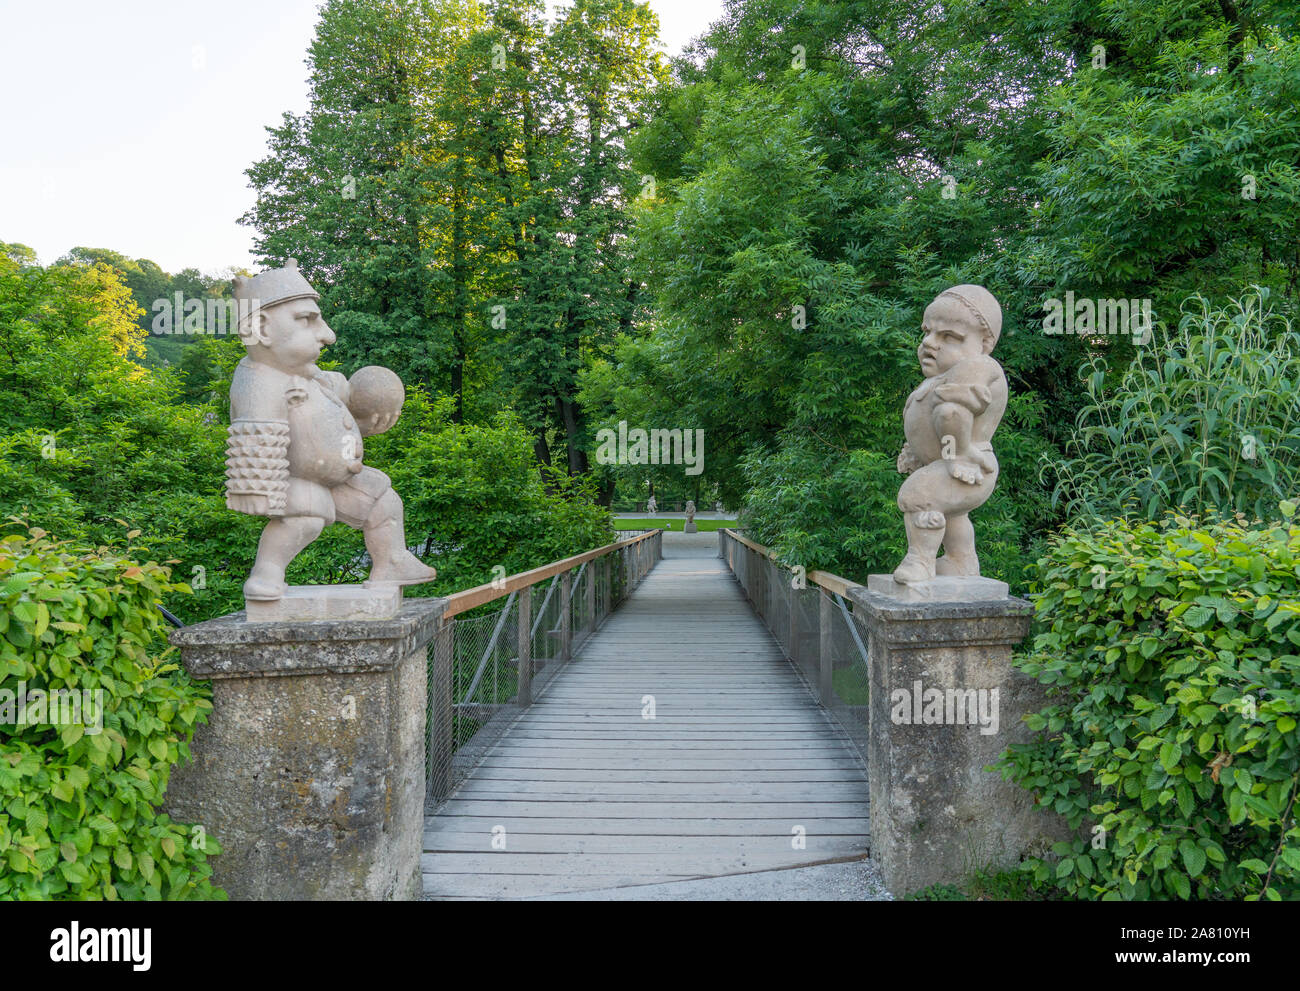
945 702
690 527
327 602
310 771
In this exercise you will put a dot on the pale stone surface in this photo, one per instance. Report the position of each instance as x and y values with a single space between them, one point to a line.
294 451
948 422
936 814
310 773
651 507
327 602
689 526
941 589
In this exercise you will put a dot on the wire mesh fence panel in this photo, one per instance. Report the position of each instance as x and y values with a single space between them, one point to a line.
483 682
547 650
815 629
850 682
805 640
484 668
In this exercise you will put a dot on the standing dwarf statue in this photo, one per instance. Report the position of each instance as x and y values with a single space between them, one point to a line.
294 450
949 422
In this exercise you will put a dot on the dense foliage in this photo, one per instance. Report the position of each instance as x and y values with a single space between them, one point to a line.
824 169
81 780
1170 651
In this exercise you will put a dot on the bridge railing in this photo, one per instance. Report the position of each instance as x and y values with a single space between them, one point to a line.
811 616
487 666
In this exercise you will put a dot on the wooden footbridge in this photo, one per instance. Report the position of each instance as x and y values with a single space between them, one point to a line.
671 738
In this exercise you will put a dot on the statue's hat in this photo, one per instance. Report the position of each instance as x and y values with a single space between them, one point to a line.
275 285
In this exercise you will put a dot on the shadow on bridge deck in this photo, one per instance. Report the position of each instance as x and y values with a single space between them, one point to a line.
736 770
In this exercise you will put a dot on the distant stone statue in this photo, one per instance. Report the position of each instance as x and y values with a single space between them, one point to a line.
690 526
294 452
652 507
948 423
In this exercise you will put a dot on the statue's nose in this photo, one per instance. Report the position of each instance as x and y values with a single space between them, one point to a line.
326 335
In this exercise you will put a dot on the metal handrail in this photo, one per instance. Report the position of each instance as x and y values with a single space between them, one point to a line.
472 598
823 579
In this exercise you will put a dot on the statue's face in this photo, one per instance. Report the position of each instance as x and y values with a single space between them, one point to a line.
950 334
295 333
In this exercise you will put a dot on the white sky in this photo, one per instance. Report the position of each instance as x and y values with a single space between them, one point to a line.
129 125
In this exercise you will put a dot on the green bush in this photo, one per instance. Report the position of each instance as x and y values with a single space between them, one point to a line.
475 498
79 787
1170 655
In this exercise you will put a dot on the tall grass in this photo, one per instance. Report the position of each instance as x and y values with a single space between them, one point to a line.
1206 421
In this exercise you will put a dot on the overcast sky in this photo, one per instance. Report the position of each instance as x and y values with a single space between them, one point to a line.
129 125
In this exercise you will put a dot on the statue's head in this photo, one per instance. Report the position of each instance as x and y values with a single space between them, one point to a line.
963 322
283 326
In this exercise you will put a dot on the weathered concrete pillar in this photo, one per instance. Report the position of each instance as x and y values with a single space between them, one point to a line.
945 702
310 771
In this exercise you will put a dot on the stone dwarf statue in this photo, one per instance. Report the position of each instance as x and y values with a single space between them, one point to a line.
651 507
294 452
948 423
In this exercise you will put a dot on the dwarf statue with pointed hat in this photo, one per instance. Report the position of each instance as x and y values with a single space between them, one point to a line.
294 452
949 421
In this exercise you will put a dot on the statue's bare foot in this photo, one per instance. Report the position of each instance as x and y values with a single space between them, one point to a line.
965 471
912 570
403 568
957 565
263 588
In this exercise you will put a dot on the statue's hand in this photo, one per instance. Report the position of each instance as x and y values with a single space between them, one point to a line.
907 461
965 471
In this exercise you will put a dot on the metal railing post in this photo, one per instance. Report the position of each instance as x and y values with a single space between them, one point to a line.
525 695
589 596
566 633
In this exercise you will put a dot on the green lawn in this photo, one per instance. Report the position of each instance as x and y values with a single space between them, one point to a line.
706 526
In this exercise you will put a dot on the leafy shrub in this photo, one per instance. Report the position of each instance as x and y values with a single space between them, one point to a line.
475 498
1170 652
78 796
1204 420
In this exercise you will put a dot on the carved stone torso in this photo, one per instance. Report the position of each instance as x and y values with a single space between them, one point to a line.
325 445
977 384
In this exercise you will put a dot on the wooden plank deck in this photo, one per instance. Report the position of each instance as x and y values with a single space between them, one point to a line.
592 795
